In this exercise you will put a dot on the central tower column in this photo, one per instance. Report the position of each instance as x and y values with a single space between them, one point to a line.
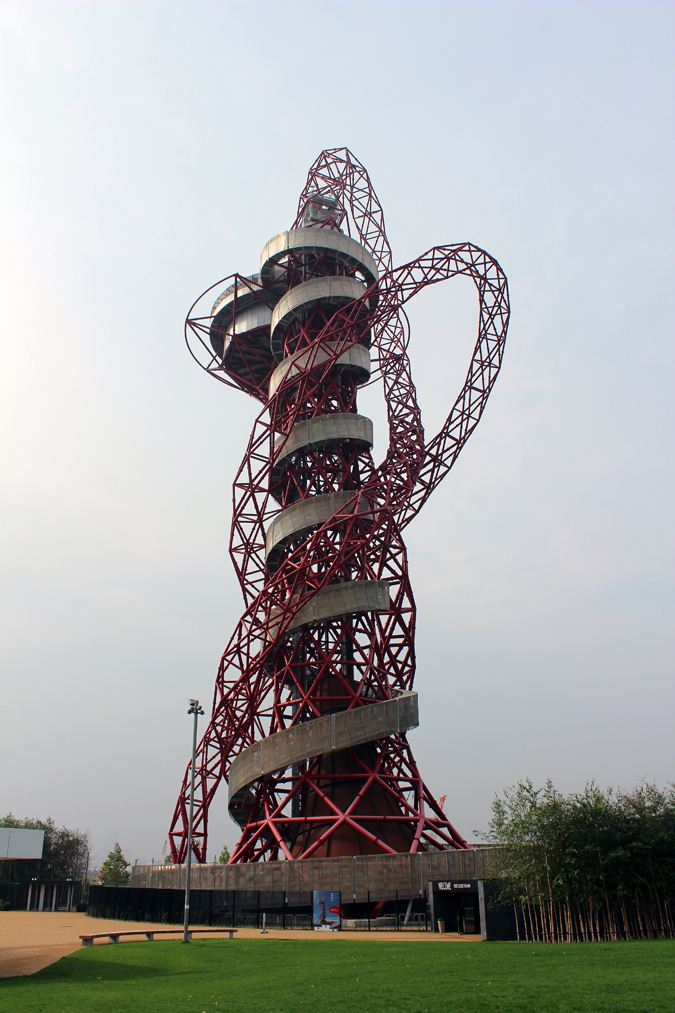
328 661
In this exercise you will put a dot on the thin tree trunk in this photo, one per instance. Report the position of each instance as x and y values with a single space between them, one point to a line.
661 918
611 924
570 921
669 917
639 916
626 926
550 899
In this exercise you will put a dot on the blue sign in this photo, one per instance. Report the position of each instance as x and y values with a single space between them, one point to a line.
326 909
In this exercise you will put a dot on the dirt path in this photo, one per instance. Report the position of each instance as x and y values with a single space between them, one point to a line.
30 940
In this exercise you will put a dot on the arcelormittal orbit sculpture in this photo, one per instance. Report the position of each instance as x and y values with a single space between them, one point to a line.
314 692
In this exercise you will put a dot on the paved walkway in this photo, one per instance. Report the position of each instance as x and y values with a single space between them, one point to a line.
30 940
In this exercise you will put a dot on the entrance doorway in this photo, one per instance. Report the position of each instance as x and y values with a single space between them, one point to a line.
455 905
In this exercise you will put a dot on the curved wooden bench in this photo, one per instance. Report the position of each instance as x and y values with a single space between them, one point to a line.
114 937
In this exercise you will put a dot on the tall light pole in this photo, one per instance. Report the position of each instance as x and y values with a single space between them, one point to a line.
196 710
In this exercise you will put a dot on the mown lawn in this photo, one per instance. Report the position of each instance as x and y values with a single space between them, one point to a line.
294 976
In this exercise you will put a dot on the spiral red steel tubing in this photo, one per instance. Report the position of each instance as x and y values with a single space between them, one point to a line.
273 674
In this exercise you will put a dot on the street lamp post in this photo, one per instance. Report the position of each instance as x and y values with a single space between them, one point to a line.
196 710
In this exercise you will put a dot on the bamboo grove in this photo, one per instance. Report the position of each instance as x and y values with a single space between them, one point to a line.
599 865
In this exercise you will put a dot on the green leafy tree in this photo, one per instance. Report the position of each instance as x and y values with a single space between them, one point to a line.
168 860
223 857
64 855
114 870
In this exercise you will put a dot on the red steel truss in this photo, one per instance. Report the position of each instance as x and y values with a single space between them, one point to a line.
314 518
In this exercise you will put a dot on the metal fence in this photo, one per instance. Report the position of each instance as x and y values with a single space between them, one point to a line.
137 904
244 908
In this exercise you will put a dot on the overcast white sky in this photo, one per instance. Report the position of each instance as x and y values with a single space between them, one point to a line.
150 149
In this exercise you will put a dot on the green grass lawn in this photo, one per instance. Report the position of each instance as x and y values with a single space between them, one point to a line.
293 976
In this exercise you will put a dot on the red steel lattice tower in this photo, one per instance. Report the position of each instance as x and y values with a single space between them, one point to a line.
314 692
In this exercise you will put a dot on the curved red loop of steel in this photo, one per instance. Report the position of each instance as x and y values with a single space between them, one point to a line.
395 492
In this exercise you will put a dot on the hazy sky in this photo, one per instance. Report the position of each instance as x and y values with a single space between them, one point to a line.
149 149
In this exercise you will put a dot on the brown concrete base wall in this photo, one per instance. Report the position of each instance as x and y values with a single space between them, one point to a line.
359 879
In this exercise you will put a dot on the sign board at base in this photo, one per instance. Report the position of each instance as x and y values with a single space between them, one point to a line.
326 909
16 843
466 884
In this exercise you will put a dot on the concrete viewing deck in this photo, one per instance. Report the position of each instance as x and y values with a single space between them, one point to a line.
331 733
